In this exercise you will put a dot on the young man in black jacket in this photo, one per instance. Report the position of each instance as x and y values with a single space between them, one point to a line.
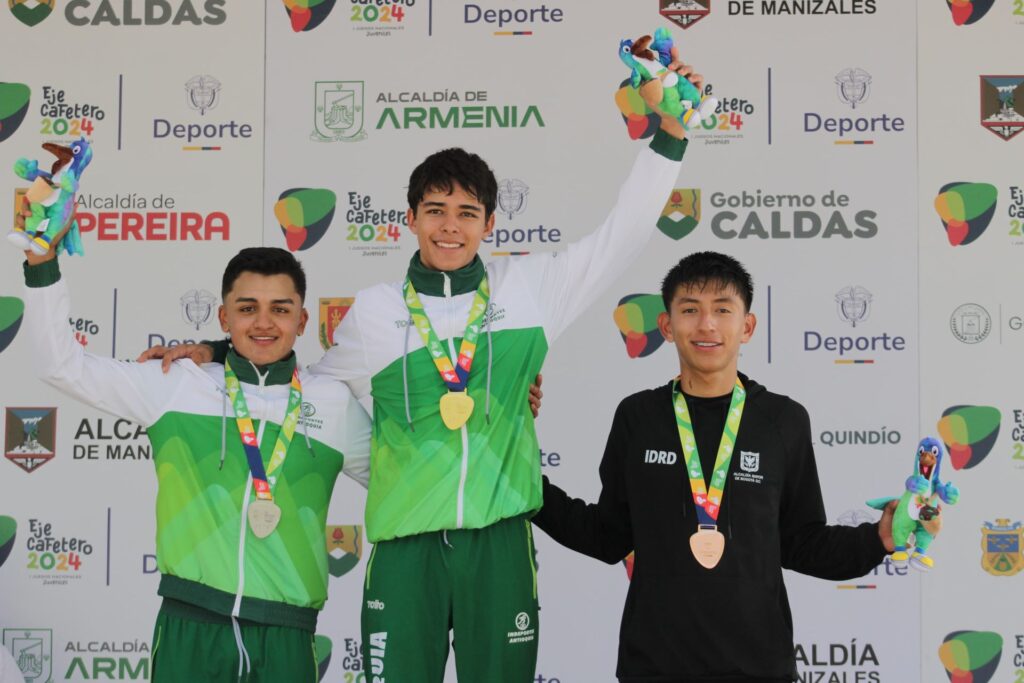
707 603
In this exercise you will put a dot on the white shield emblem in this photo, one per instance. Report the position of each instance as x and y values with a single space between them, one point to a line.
750 462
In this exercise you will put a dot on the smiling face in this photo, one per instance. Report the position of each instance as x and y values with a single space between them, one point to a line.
449 228
263 314
707 326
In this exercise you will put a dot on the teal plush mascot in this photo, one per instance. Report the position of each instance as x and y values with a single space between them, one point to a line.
917 513
648 58
50 201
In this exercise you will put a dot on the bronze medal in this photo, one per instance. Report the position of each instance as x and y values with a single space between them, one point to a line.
264 516
707 545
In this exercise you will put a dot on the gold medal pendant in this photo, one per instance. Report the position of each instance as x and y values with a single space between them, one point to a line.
456 407
263 517
707 545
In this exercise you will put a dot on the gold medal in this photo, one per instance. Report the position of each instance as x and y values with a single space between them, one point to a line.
456 407
707 545
263 517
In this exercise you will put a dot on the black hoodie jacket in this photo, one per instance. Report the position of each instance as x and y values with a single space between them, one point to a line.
729 624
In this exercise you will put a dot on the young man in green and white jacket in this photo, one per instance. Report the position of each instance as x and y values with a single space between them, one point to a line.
240 540
454 482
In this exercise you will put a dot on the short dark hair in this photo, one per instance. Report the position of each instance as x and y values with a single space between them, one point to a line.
704 268
441 171
264 261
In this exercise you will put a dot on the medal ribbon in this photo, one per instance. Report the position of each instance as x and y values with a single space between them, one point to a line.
248 433
457 376
708 502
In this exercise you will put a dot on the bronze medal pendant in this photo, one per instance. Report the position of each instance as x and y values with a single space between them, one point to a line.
456 407
707 545
264 516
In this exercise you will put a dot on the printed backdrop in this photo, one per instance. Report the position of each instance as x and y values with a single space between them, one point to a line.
865 164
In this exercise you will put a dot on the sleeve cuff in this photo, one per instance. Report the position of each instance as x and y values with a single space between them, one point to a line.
668 146
42 274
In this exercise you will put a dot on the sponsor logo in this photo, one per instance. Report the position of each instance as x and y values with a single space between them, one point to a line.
32 650
641 121
523 632
509 21
379 18
1016 214
338 111
353 659
853 661
8 534
684 13
853 89
99 659
332 312
750 462
853 305
660 457
512 195
146 13
727 124
322 646
110 439
860 437
131 217
344 549
374 231
31 436
966 209
1002 105
54 560
750 465
1001 547
512 201
14 101
198 307
306 15
447 108
636 316
304 214
681 214
807 8
308 418
853 86
202 94
970 323
969 433
12 309
31 12
1017 434
790 216
966 12
971 655
64 119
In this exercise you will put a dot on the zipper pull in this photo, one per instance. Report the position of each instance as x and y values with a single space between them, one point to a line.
447 285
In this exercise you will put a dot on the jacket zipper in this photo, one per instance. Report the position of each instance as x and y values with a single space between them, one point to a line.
464 464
